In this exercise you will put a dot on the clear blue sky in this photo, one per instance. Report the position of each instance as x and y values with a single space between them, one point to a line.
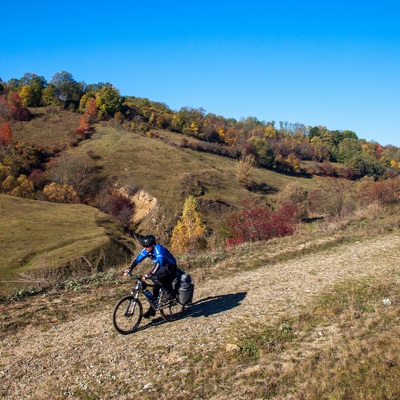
330 63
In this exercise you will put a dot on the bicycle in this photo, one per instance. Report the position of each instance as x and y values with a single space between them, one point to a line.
128 311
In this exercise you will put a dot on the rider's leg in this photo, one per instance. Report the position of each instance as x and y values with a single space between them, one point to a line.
163 286
156 288
149 313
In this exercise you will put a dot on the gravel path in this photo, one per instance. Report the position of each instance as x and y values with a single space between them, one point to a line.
72 356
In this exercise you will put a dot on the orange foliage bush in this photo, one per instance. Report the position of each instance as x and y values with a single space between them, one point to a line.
6 135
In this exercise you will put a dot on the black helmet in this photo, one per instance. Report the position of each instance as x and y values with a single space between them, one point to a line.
148 240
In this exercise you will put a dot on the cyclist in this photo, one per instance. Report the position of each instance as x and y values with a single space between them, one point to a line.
164 269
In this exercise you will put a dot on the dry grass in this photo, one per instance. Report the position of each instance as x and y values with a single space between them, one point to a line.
343 346
47 128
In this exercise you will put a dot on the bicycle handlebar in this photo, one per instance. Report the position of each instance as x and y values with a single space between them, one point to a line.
139 278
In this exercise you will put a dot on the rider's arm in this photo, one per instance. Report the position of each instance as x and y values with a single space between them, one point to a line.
142 255
154 270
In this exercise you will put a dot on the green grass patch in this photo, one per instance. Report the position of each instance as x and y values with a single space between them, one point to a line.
40 236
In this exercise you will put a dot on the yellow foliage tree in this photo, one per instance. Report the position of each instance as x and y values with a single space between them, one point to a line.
61 193
8 184
188 234
4 173
244 169
270 132
24 188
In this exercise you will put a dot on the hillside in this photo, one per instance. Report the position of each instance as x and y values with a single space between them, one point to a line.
170 173
46 242
156 167
295 318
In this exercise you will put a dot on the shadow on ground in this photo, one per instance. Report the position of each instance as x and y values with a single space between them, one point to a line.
214 305
204 308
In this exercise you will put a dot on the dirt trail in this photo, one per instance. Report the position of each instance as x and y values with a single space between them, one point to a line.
78 354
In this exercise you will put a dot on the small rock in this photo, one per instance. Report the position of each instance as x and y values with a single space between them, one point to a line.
232 347
387 302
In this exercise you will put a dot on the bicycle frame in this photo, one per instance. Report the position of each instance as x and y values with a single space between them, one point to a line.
140 288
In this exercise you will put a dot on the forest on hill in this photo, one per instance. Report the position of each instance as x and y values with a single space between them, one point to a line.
282 146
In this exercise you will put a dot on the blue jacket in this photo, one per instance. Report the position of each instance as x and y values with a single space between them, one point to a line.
164 261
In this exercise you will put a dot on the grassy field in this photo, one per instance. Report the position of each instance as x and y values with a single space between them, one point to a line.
46 128
36 235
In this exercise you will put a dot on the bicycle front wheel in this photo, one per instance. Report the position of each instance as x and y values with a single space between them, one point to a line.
127 315
171 310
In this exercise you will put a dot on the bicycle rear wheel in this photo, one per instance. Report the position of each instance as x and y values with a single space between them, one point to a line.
171 310
127 315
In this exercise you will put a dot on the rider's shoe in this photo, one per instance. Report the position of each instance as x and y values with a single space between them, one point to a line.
149 313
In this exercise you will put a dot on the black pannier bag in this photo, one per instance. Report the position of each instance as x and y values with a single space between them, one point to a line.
183 287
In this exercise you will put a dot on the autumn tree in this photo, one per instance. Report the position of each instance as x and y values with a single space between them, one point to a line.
5 112
23 158
294 194
385 192
108 101
189 233
244 169
15 109
91 109
321 151
8 184
84 130
80 171
5 172
37 177
6 135
117 204
31 90
264 153
57 193
23 188
334 198
49 97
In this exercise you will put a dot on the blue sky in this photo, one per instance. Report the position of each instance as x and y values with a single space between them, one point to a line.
335 64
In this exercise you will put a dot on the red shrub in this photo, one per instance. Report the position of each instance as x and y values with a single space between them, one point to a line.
117 205
37 177
84 128
257 222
